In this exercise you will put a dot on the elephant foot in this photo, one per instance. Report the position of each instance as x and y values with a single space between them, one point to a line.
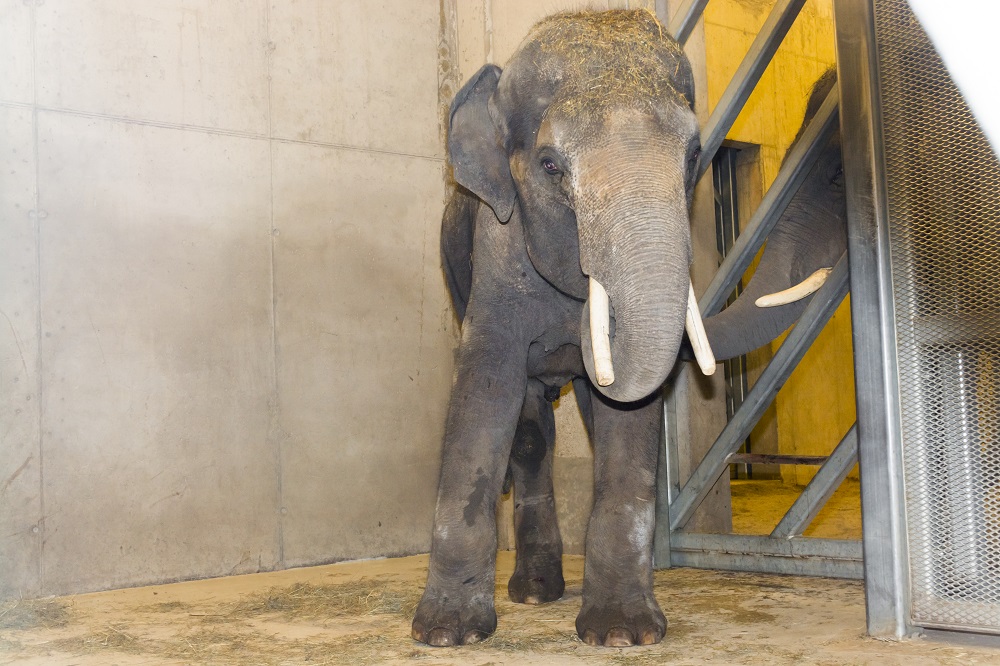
537 582
444 620
621 624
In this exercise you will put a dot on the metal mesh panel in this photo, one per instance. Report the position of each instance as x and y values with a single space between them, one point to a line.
943 189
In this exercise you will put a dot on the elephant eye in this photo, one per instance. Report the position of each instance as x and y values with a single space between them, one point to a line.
550 166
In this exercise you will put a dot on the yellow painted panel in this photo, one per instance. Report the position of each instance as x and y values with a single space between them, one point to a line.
817 405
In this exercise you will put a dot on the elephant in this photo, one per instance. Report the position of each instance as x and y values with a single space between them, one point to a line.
807 240
574 170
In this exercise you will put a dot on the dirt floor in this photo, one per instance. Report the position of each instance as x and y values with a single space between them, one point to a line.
359 613
758 506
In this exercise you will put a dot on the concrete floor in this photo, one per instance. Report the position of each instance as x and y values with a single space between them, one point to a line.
359 613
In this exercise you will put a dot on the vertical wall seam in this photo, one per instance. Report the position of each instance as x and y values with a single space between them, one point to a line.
36 220
488 30
274 426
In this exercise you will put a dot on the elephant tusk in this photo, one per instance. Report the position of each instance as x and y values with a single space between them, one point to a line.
808 286
696 334
600 333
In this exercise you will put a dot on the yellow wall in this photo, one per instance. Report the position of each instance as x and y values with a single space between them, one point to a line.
816 407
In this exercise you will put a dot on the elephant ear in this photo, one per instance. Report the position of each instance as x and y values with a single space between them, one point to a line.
475 146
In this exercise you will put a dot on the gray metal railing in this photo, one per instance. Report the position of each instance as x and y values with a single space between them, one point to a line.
784 550
824 303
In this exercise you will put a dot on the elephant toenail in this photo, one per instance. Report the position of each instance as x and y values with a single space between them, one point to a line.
619 638
590 638
440 637
473 636
650 637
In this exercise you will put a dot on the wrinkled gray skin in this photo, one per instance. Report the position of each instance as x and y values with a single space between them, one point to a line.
547 196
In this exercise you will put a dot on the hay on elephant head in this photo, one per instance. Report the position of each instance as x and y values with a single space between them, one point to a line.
610 58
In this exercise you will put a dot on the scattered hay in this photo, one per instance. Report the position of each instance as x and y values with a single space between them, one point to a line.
318 602
34 614
114 637
642 656
8 646
202 646
516 640
614 58
167 607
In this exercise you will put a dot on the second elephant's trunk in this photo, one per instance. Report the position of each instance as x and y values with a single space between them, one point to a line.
806 239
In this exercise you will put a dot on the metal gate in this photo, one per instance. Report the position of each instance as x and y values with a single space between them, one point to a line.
785 550
924 199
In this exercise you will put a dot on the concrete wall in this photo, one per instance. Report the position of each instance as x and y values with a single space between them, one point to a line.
816 407
225 343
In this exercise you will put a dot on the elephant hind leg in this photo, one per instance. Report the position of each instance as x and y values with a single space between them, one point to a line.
538 573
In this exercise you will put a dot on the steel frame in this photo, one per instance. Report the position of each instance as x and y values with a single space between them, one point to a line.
784 550
887 580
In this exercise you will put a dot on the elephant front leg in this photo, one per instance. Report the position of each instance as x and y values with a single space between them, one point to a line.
619 608
538 574
457 604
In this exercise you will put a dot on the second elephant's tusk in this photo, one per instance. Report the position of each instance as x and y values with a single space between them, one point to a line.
808 286
696 334
600 333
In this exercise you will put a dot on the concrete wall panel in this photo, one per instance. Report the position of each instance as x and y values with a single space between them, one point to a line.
182 61
357 73
157 370
365 338
15 51
473 46
20 453
512 20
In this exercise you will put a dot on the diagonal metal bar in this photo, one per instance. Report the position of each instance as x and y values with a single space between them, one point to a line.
813 319
821 488
796 167
685 18
746 77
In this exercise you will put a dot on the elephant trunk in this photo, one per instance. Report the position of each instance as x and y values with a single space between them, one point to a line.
635 243
805 240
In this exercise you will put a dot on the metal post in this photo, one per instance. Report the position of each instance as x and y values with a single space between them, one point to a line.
887 595
685 18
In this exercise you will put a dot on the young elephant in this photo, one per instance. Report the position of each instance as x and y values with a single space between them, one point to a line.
576 166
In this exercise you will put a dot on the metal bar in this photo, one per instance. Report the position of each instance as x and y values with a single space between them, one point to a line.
799 161
746 77
813 319
821 488
664 479
773 459
887 584
832 558
685 19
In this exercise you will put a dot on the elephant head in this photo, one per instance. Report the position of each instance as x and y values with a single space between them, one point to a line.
810 236
589 140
